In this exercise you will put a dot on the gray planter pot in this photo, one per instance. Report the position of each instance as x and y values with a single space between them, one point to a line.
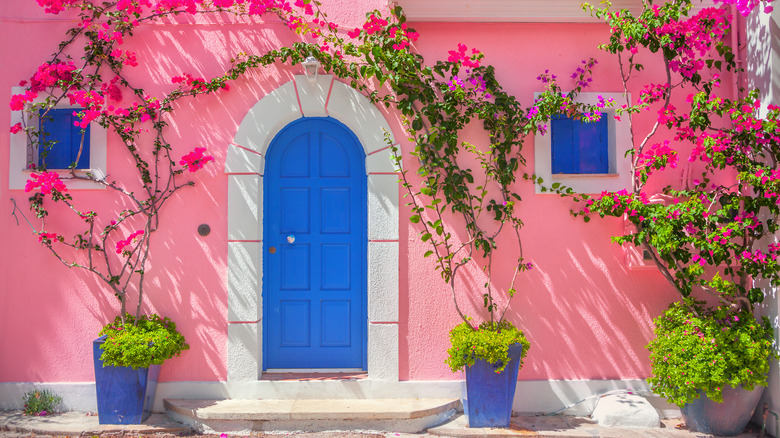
724 419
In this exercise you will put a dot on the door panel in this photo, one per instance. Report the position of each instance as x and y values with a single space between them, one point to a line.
315 243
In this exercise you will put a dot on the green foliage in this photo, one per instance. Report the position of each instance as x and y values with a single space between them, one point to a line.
41 402
489 342
149 340
701 348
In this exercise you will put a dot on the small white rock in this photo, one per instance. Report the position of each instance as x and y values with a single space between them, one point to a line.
625 410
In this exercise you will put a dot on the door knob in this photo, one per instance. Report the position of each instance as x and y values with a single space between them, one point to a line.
272 250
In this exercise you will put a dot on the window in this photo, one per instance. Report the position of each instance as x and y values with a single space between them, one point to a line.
59 124
588 157
579 147
64 138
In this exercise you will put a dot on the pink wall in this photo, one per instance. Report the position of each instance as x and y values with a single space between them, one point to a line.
586 315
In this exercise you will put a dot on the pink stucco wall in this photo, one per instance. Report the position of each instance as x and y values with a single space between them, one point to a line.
586 314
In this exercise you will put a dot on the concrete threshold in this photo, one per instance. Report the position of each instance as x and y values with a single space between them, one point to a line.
247 416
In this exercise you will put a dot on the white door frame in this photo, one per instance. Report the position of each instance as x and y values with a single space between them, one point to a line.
244 166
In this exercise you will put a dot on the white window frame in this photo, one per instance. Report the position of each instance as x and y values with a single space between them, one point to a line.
22 150
619 174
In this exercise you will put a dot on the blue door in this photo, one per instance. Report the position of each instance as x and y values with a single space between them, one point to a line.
314 248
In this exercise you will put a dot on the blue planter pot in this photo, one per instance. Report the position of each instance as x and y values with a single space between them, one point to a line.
489 395
723 419
124 395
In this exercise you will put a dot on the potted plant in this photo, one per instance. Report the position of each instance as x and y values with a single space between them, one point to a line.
485 353
127 358
707 234
711 361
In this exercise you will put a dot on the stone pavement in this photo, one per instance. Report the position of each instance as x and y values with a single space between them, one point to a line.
72 424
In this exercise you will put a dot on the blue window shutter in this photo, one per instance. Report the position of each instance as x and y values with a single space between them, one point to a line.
565 156
58 126
579 147
594 146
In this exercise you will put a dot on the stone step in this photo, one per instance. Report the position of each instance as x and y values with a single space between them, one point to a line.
247 416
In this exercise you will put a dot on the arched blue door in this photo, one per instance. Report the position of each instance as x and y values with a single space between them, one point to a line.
314 248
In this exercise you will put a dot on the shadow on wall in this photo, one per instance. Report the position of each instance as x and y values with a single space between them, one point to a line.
586 314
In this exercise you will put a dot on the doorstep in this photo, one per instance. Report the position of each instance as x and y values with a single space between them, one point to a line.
246 416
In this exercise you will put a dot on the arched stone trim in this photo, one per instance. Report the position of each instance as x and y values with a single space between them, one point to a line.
245 164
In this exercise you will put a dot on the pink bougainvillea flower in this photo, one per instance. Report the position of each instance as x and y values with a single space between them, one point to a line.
55 6
120 246
18 100
746 6
374 24
461 56
48 237
46 182
307 7
196 159
49 75
16 128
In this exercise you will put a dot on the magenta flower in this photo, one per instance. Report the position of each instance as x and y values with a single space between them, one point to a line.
120 246
195 159
46 181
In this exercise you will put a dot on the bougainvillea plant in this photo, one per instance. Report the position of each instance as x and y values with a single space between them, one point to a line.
707 233
711 232
114 248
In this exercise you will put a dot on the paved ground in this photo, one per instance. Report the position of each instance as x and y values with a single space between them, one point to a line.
76 424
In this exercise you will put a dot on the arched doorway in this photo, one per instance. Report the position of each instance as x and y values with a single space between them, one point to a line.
245 167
